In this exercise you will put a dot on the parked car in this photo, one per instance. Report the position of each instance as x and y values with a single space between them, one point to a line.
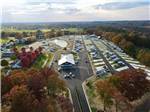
66 76
121 63
101 72
73 76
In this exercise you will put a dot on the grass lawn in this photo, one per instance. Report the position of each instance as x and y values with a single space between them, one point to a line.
93 98
50 56
16 30
20 31
2 40
74 29
19 46
40 61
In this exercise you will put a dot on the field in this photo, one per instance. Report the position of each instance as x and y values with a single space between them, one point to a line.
40 61
2 41
43 60
20 31
74 29
44 30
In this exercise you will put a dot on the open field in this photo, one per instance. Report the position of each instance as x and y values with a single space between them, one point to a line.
44 30
16 30
40 61
2 41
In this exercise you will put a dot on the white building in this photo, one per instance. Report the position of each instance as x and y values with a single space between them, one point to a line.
66 61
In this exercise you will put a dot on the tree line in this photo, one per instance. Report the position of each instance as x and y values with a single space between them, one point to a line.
34 90
47 34
122 89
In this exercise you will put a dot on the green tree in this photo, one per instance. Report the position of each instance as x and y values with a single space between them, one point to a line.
13 57
24 34
4 62
4 34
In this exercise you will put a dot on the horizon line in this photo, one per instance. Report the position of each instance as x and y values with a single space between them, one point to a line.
74 21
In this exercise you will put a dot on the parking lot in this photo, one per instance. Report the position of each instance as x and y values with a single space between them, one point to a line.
92 56
103 59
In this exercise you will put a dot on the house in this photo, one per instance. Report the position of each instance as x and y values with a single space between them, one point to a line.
21 41
39 35
7 54
66 61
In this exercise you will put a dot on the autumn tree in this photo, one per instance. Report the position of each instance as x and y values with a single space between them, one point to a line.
129 48
6 84
110 94
144 56
21 99
33 90
18 77
65 104
47 72
55 85
133 83
120 102
18 35
36 85
117 39
104 89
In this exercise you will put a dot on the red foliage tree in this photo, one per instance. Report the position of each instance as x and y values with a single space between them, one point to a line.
6 85
40 49
36 84
65 104
21 99
46 72
15 50
133 83
25 62
36 52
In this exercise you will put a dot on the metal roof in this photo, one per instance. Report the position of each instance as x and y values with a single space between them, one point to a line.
66 58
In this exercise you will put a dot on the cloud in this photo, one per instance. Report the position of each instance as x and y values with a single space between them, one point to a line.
77 10
120 5
40 8
26 9
71 10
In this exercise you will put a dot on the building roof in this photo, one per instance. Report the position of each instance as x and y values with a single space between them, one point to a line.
35 45
66 58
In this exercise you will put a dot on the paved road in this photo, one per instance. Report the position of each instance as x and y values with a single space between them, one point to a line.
82 71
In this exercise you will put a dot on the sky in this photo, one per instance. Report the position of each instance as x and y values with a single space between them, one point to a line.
73 10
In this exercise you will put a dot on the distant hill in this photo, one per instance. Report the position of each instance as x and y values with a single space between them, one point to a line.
139 26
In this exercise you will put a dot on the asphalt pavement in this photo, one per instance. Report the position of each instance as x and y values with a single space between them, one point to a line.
82 71
112 70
